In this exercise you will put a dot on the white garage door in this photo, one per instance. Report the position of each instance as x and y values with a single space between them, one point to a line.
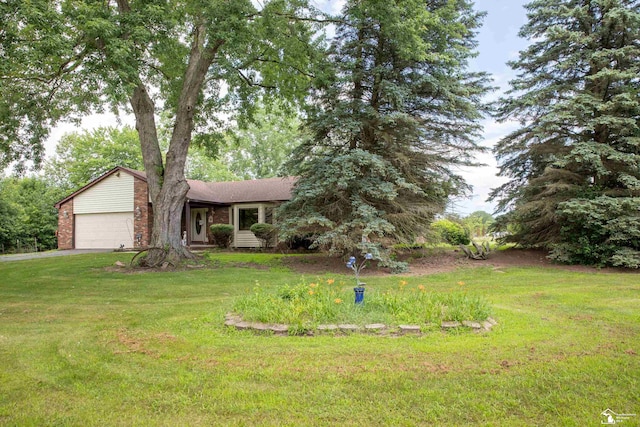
104 230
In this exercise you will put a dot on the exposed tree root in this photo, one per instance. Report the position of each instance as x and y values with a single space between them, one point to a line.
160 257
482 251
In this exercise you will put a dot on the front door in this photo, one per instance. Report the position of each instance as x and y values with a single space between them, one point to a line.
199 225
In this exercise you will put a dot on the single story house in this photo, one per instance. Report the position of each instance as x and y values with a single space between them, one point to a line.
115 210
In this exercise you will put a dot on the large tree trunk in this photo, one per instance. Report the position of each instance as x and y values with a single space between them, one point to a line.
167 220
167 184
167 187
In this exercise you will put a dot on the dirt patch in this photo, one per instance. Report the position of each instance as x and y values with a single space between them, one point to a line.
420 264
440 262
132 344
135 344
165 337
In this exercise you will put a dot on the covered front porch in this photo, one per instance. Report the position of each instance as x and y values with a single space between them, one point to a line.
197 217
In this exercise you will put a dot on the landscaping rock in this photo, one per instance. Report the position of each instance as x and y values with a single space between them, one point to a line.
471 324
451 324
233 320
120 264
260 327
279 329
349 328
243 325
409 329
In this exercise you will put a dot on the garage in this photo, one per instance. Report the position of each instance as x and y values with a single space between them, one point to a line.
104 230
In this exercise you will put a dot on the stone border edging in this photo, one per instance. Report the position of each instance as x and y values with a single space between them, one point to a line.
235 321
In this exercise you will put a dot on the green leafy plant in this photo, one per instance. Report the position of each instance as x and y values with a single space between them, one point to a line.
222 234
602 231
451 232
265 233
327 301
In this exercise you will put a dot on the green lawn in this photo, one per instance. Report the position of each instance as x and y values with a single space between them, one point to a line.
80 345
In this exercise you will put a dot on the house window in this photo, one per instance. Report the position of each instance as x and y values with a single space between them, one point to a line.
247 217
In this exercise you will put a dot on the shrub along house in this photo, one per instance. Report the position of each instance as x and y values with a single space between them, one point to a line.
115 210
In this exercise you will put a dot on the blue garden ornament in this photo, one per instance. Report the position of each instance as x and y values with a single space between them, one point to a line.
353 265
359 291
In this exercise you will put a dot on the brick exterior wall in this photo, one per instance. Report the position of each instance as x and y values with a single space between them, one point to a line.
65 225
142 215
219 215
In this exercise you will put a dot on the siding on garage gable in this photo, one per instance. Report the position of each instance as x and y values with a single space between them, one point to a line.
112 194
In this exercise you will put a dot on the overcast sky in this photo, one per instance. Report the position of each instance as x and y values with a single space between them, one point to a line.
498 43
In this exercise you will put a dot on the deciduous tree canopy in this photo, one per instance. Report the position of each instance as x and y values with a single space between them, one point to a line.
81 157
478 223
261 149
195 59
27 215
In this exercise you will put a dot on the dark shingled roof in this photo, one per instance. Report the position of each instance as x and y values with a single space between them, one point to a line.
228 192
257 190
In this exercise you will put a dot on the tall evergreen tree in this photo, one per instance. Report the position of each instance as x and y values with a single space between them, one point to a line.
393 112
574 163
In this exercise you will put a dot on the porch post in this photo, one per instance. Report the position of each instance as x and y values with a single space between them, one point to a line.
236 227
187 222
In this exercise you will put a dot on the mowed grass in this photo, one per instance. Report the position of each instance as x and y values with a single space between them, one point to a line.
82 345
